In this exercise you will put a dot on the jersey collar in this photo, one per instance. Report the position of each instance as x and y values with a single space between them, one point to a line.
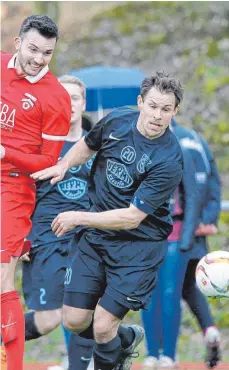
31 79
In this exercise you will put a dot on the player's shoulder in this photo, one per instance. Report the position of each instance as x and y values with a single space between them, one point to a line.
53 83
172 148
122 112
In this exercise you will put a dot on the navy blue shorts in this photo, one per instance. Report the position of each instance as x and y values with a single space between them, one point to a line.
43 277
125 271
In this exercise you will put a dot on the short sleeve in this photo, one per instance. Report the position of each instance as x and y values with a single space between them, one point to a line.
158 186
57 116
94 138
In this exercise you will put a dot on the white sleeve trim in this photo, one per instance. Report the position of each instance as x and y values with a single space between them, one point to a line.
53 138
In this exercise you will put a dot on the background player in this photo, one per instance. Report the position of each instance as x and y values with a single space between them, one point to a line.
44 271
183 254
137 167
35 117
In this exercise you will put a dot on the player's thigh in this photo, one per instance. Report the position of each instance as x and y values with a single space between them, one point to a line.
43 278
131 280
85 281
17 205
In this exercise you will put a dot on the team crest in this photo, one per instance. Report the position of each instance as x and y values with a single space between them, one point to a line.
73 188
141 166
117 175
28 101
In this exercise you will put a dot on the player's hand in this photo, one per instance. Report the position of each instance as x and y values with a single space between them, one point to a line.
25 257
2 151
55 173
206 230
64 222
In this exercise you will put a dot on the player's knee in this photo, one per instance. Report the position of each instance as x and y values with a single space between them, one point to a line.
105 324
7 278
47 321
75 319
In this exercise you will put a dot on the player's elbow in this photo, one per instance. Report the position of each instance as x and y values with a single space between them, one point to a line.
133 223
135 217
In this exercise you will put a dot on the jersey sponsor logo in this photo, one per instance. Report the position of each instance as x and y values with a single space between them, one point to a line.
118 175
73 188
113 137
141 166
128 154
7 117
75 169
28 101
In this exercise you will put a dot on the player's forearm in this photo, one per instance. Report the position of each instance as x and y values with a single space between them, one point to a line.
117 219
79 154
29 163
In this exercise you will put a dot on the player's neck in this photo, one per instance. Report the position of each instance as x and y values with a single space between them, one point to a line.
18 69
75 132
142 131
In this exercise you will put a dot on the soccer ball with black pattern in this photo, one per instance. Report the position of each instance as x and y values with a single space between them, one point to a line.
212 274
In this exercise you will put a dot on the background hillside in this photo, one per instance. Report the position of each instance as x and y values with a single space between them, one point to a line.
188 39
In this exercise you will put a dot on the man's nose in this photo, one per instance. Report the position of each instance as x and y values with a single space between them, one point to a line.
39 59
157 113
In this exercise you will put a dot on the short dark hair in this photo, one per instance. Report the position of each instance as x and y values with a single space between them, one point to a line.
42 23
163 83
67 79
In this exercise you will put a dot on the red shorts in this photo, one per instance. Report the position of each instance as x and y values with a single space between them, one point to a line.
18 196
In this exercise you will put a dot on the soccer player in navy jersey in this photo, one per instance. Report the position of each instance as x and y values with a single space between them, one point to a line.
44 268
123 239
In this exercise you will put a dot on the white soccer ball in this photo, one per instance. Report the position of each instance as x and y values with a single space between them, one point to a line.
212 274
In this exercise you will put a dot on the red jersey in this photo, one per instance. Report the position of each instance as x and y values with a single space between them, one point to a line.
35 118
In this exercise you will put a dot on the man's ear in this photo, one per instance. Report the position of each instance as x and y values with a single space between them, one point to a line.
84 105
176 110
140 101
17 42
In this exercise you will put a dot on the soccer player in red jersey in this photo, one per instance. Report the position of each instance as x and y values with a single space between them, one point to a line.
35 118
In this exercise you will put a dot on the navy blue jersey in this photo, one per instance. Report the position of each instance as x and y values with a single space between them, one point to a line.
130 168
70 194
